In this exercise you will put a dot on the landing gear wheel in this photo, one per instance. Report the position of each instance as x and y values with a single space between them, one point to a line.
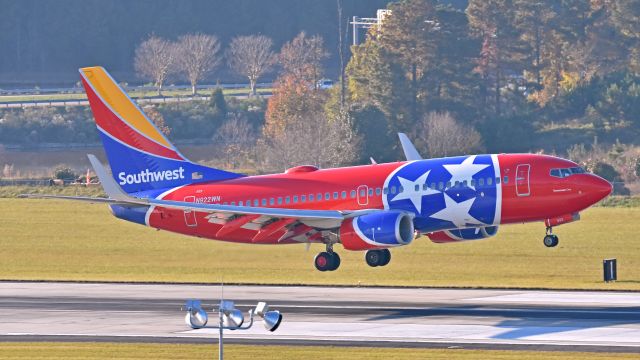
377 257
323 261
335 261
327 261
551 240
386 254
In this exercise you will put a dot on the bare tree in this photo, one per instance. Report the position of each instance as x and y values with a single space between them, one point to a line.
237 138
302 57
251 56
198 57
446 137
154 60
300 144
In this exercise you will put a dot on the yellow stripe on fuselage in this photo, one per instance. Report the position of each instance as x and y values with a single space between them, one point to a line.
115 97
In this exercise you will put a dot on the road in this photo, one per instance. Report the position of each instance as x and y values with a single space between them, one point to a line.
394 317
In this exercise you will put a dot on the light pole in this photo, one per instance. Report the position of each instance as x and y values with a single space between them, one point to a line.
229 318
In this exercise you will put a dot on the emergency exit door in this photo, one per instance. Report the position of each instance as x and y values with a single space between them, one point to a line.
523 187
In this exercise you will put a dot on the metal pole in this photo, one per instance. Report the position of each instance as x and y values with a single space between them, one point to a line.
355 30
220 339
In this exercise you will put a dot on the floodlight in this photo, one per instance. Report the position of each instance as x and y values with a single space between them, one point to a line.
272 319
231 317
196 317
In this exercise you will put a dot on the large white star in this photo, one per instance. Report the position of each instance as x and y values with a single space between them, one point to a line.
456 212
464 171
409 190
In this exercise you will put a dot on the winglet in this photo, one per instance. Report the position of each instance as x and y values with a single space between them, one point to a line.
113 190
410 151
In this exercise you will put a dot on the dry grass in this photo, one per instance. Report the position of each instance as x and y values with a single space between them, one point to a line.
53 351
58 240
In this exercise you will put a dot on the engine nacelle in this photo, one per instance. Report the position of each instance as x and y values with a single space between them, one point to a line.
463 234
379 230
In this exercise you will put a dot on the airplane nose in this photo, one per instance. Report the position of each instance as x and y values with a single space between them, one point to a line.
597 188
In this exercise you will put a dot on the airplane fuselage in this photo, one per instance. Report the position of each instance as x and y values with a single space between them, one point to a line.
465 192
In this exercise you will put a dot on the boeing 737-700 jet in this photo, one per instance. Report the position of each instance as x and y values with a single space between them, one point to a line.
372 208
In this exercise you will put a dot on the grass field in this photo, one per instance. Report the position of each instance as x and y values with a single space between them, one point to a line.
59 240
175 351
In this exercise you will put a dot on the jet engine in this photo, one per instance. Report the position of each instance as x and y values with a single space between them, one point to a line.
477 233
378 230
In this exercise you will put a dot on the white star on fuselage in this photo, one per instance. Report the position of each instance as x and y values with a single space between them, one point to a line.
464 171
456 212
409 190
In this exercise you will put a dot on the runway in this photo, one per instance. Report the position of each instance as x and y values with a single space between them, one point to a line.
342 316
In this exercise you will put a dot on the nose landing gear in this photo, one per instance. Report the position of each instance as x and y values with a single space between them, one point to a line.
378 257
550 240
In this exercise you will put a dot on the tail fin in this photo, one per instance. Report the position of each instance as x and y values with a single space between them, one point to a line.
140 156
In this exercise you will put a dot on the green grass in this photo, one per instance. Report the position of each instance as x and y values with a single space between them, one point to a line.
61 240
44 350
134 94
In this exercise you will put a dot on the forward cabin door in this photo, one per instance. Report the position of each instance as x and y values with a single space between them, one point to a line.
523 187
190 215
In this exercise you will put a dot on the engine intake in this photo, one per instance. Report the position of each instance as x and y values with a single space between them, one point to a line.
379 230
463 234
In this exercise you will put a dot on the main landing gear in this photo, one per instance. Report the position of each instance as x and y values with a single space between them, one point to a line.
550 240
327 260
378 257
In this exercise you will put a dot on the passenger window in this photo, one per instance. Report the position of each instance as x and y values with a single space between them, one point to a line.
378 191
506 180
441 185
401 189
353 194
287 200
433 185
393 190
303 198
327 196
295 199
319 197
490 181
370 191
335 195
464 183
256 203
448 185
416 188
264 202
473 182
240 203
385 191
233 203
344 195
481 181
311 197
279 201
498 180
272 201
362 193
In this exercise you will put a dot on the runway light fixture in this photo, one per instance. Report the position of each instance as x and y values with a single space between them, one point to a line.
272 319
196 317
230 318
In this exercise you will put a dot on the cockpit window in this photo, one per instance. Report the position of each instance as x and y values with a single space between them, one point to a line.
565 172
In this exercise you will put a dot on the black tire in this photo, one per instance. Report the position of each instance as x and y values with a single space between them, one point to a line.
335 261
323 261
550 241
373 258
386 257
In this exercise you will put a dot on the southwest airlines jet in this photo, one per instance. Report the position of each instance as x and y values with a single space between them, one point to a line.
371 208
